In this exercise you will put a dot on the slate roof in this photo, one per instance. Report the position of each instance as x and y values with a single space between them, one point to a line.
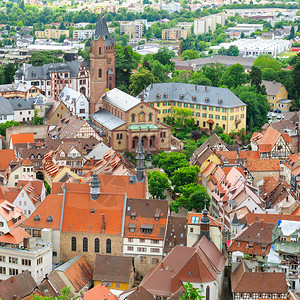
112 268
218 97
102 30
107 119
21 103
272 87
5 107
42 72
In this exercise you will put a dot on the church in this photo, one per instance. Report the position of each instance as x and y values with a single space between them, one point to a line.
119 117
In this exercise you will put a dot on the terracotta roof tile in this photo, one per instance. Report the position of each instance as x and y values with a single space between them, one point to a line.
27 162
228 156
268 140
6 156
100 292
22 138
249 155
244 281
14 236
262 165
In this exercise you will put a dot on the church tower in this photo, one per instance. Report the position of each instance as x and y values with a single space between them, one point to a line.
204 224
102 64
140 161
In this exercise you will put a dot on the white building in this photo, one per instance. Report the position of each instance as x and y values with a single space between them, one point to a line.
76 102
23 109
252 47
208 23
83 34
19 252
6 111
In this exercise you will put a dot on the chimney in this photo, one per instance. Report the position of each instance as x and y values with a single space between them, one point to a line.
261 224
151 85
13 279
14 297
206 88
92 160
195 87
162 266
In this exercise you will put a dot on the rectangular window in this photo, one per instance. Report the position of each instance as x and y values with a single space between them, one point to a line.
82 111
155 261
204 115
13 260
154 241
218 109
130 240
191 105
224 110
26 262
142 240
143 260
36 233
217 117
211 116
2 258
185 105
210 108
197 114
141 249
2 270
154 250
242 116
231 118
39 261
129 248
223 118
13 272
204 107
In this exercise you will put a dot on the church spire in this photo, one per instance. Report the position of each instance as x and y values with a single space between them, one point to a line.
140 173
95 187
102 30
204 224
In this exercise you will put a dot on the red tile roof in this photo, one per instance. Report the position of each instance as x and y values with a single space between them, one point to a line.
244 281
99 292
213 221
249 155
268 140
15 236
269 218
10 213
6 156
22 138
262 165
27 162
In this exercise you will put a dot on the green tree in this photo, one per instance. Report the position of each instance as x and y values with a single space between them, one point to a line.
7 124
202 45
126 61
233 51
296 77
264 61
218 130
139 80
191 293
199 78
193 197
158 182
62 38
189 54
269 74
214 72
164 56
37 120
196 135
257 105
292 33
170 162
9 72
234 76
64 295
255 76
182 117
40 58
184 176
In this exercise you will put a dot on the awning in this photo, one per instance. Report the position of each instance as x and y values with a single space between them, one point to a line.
210 121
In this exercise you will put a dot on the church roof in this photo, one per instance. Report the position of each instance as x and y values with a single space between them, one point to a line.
102 30
121 99
107 119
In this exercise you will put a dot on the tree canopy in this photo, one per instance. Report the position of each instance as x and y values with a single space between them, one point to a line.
158 183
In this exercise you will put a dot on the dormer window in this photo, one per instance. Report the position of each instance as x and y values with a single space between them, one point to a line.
158 96
37 218
31 156
146 228
206 99
181 96
50 219
166 95
219 101
133 215
132 227
194 98
62 154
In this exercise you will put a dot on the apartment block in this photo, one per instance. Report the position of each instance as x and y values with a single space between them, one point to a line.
134 29
208 23
175 34
83 34
51 33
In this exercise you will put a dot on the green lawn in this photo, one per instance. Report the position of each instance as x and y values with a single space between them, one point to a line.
287 53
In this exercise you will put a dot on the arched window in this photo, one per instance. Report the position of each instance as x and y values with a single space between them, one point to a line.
97 245
207 292
85 244
73 243
108 246
100 73
132 118
150 117
141 117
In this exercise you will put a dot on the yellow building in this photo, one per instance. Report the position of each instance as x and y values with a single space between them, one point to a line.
51 33
115 271
276 92
175 34
210 106
132 29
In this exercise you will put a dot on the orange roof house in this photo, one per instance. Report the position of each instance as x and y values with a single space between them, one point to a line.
20 139
15 236
99 292
6 156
